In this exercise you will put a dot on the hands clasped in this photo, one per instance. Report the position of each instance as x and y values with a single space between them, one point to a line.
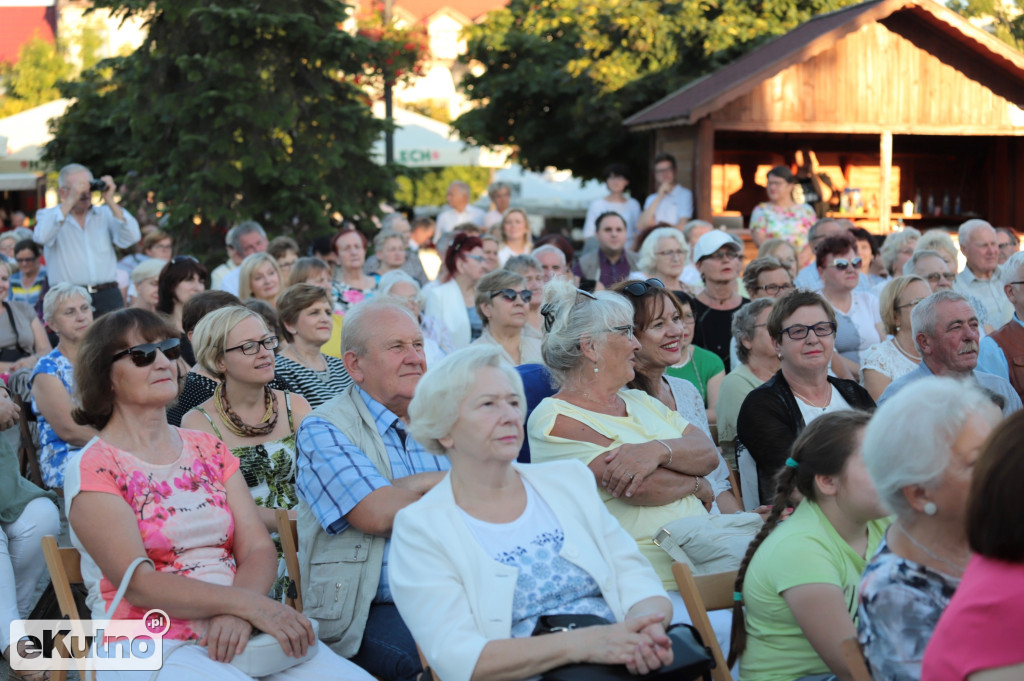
227 635
627 466
640 643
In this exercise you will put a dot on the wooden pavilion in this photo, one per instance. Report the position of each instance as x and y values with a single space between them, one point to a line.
901 100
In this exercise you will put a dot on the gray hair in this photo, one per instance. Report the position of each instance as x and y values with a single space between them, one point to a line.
389 280
389 221
22 233
491 283
356 331
147 269
922 317
937 240
911 265
548 248
968 229
812 233
906 445
570 316
1013 265
59 293
461 186
743 321
523 262
68 170
384 235
497 187
647 257
693 224
435 405
893 243
235 234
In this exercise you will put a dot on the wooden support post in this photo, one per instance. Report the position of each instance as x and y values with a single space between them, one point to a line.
704 153
885 173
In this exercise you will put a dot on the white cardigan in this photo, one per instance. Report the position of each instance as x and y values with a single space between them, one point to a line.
445 302
455 598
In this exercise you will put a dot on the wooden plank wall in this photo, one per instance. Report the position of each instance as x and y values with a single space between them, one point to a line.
875 79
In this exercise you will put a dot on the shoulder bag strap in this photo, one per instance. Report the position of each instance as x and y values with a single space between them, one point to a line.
124 584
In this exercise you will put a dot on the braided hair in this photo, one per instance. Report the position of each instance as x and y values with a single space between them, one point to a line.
822 449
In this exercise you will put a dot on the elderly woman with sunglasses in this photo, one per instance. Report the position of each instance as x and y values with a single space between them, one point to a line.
649 462
502 301
174 502
857 313
255 421
802 327
884 362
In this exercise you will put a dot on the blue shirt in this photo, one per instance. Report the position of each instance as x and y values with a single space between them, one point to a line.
991 358
334 475
997 385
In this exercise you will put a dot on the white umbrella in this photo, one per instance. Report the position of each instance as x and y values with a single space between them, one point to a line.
422 142
27 133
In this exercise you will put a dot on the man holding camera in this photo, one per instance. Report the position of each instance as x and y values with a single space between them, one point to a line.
78 238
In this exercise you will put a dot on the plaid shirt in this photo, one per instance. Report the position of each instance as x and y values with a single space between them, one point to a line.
334 475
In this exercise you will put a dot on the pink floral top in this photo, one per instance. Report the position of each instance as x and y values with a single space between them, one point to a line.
791 224
182 511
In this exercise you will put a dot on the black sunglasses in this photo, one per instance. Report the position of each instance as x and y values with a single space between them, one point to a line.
510 295
638 289
145 354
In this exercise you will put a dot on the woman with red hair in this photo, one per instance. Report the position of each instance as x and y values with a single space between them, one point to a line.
454 302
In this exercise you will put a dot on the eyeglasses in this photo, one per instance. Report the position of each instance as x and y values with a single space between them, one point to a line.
640 288
1014 283
26 261
723 255
145 354
800 331
936 277
915 301
688 319
1008 245
626 330
477 258
675 253
253 347
510 295
774 289
842 263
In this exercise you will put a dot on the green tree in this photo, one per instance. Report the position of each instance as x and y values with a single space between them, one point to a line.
230 111
560 76
429 186
1007 17
32 80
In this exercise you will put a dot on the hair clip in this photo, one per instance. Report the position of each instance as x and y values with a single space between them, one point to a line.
548 312
792 463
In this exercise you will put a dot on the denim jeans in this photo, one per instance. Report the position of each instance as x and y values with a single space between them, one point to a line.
388 650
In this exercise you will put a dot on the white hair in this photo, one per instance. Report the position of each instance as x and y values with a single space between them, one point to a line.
356 331
548 248
56 296
435 405
647 256
1012 267
922 317
909 440
67 171
968 229
147 269
388 281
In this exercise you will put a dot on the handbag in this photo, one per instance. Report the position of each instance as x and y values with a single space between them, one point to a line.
691 659
12 353
711 543
263 654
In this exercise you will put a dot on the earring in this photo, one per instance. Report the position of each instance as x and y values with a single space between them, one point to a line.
930 508
595 367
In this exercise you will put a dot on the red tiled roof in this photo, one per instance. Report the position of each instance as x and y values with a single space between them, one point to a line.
18 25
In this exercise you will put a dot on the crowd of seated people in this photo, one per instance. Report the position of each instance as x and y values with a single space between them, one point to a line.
387 411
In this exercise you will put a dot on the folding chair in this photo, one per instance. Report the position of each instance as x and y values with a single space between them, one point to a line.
288 531
853 656
65 569
700 594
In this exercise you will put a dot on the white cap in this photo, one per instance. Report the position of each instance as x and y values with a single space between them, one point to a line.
712 241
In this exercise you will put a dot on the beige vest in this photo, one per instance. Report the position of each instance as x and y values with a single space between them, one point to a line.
340 573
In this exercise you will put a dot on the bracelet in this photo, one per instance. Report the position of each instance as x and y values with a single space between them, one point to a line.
696 486
669 463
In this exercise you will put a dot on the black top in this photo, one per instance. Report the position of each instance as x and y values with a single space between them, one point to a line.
770 421
714 328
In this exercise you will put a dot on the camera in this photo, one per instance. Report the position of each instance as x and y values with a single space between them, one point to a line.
97 186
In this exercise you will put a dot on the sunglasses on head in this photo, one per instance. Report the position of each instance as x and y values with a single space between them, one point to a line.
510 295
145 354
638 289
842 263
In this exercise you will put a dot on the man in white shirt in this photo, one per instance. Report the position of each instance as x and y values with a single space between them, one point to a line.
981 277
672 204
459 210
233 261
501 197
78 238
245 239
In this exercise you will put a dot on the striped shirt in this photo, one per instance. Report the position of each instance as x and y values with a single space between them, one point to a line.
316 386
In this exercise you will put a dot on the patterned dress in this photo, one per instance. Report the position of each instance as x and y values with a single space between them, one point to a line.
54 452
791 224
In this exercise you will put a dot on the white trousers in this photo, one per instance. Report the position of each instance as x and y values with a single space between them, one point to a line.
21 561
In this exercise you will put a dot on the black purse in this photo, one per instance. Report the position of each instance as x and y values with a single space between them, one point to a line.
691 659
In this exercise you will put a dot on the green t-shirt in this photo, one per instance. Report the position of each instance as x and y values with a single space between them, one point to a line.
805 549
701 368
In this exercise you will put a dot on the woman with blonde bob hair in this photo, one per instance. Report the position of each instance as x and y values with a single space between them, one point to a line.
260 277
921 462
455 553
884 362
515 234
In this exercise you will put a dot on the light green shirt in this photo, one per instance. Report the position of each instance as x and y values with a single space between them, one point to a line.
805 549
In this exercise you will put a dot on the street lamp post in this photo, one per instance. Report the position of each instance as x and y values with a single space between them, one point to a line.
389 137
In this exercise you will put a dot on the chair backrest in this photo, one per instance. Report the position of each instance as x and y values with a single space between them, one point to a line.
288 530
853 655
748 479
65 566
700 594
737 489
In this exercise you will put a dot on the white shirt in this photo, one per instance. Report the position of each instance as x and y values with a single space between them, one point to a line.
677 205
629 211
219 272
83 255
230 281
450 218
990 292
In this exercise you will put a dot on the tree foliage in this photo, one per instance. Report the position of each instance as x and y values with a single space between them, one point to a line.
32 80
560 76
231 111
1007 17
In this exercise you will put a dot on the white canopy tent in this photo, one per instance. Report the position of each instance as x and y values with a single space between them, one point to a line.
422 142
27 133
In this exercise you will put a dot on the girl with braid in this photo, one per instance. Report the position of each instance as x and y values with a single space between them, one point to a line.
799 580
